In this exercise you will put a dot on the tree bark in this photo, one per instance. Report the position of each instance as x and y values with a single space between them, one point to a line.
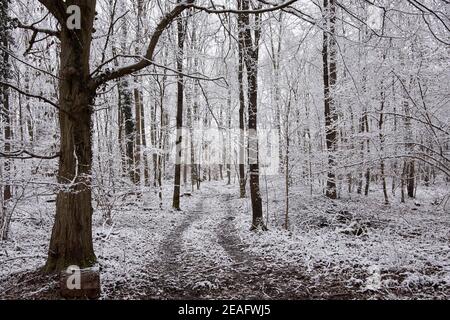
179 120
5 69
251 53
241 162
382 139
71 239
125 111
410 171
329 80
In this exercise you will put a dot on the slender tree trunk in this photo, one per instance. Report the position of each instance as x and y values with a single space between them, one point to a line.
137 137
286 164
410 172
195 169
228 154
159 137
381 135
367 175
122 138
251 53
5 69
360 174
179 120
241 45
161 142
403 178
329 80
276 57
143 139
125 104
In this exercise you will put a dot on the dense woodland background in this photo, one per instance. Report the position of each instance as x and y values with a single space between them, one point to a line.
91 144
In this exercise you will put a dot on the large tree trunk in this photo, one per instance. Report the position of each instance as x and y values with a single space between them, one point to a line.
71 240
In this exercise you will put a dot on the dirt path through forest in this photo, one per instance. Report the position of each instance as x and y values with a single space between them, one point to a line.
175 264
187 274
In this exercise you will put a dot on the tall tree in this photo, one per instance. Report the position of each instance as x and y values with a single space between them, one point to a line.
71 240
5 74
329 80
251 55
241 53
181 29
126 120
141 163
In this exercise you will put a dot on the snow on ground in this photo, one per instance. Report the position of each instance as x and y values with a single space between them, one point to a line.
201 237
350 248
369 245
127 250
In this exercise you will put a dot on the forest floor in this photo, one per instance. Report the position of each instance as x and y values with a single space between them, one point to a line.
352 248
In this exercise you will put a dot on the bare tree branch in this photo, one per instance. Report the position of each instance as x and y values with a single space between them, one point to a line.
29 155
49 32
249 11
54 104
162 25
146 60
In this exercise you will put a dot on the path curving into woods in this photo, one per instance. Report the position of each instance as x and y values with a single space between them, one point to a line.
213 263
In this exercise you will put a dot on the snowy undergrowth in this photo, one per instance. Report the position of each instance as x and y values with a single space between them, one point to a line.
21 251
358 242
127 250
404 245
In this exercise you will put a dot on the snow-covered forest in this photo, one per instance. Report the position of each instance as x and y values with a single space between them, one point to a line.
257 149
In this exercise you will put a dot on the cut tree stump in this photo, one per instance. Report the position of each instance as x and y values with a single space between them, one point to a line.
80 284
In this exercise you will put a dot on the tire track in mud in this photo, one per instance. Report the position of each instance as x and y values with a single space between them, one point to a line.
228 239
251 276
246 276
172 245
181 270
174 270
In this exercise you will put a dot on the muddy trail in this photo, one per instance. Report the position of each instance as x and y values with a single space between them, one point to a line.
185 274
